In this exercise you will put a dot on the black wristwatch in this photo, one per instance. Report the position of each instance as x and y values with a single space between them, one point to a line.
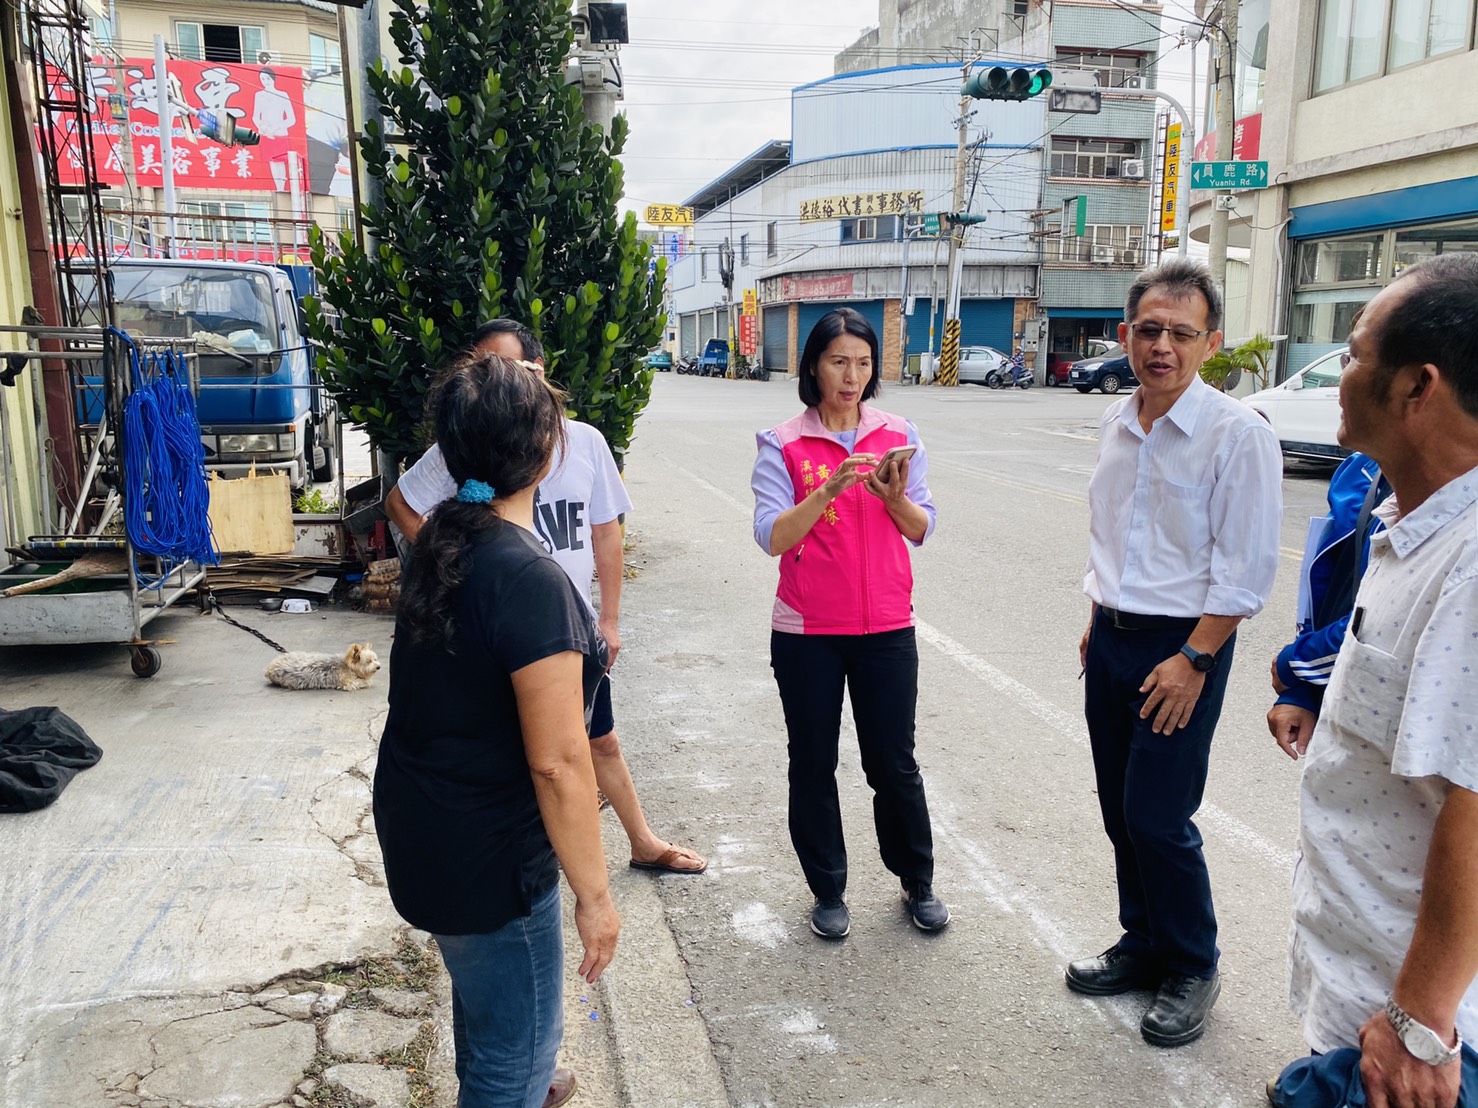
1202 662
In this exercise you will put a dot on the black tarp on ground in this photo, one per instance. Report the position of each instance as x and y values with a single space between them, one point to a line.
41 749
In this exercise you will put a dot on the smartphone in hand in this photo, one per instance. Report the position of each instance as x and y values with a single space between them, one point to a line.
898 454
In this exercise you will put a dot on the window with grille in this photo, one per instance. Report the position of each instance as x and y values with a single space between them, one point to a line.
772 243
1091 157
1100 243
1114 69
743 249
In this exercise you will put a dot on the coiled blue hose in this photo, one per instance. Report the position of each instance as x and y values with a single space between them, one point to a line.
166 503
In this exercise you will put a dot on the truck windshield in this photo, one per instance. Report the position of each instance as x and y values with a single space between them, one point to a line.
228 311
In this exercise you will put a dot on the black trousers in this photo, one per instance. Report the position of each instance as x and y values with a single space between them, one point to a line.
881 675
1149 787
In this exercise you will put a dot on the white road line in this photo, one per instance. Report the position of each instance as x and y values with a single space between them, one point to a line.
1071 726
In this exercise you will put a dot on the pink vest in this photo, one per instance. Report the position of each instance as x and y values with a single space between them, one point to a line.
851 574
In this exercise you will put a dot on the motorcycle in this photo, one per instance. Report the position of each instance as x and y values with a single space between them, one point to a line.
686 365
1013 372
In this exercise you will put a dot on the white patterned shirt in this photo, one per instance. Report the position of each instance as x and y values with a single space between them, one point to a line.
1185 520
1399 725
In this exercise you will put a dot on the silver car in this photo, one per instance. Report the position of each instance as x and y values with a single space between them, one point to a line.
979 362
1304 410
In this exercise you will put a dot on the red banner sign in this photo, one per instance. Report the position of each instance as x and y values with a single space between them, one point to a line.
749 334
267 99
1246 141
816 288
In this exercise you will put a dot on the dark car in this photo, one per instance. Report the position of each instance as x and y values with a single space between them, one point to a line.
1105 374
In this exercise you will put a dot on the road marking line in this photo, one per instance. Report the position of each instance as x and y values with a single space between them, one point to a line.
1073 727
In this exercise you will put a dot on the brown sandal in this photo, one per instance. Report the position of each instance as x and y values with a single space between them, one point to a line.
561 1088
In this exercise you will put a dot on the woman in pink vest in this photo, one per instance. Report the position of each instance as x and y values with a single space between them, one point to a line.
837 491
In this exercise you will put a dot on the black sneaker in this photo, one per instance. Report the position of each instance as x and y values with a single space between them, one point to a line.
928 911
830 918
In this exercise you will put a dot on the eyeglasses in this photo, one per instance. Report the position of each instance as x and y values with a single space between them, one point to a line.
1149 332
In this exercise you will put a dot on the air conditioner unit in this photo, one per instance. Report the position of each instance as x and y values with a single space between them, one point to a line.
1132 169
1129 256
267 57
1134 82
1104 255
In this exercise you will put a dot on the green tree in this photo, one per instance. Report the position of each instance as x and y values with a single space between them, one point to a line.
499 199
1225 368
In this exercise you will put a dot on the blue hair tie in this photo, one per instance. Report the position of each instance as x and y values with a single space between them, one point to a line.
475 492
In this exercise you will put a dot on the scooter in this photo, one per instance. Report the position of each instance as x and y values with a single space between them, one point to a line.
1013 372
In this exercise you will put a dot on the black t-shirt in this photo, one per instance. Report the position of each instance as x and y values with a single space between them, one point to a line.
459 826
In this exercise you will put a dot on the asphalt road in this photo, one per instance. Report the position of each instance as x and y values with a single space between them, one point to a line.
977 1014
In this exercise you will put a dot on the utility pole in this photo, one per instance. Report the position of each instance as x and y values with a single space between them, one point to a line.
600 28
949 356
165 109
1226 110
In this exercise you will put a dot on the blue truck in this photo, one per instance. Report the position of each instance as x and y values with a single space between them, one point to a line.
260 404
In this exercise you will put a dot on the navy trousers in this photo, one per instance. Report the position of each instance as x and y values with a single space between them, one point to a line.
1149 787
881 674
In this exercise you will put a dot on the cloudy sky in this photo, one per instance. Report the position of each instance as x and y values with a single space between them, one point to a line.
708 83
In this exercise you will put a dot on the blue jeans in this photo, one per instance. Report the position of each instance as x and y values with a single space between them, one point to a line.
508 1007
1333 1081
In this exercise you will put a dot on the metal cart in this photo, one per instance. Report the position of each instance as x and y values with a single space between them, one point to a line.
104 607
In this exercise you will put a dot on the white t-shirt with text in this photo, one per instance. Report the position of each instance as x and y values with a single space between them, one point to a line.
583 489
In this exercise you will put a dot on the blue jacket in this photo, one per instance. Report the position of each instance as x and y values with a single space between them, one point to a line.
1304 664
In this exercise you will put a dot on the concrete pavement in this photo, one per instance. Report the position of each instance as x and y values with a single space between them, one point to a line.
201 919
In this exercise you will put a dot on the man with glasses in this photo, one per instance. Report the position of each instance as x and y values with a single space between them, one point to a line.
1385 896
1185 507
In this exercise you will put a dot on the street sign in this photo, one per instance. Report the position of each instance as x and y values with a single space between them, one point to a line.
749 335
1170 189
931 224
1229 175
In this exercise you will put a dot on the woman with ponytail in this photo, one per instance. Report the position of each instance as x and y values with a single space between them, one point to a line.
483 785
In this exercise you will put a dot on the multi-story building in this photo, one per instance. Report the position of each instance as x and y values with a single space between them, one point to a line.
1367 115
839 215
1104 159
274 67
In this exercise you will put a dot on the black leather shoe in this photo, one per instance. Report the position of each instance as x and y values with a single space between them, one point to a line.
1111 973
830 918
928 911
1179 1013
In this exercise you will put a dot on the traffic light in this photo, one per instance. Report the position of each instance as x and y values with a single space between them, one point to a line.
221 127
966 218
1001 83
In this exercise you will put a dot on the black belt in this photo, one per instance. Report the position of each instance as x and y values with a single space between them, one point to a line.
1134 621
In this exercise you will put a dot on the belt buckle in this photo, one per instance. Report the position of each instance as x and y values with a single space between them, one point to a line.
1118 626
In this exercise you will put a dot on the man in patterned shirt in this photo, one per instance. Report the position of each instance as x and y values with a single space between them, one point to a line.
1385 893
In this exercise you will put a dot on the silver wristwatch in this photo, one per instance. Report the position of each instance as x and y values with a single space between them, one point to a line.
1424 1044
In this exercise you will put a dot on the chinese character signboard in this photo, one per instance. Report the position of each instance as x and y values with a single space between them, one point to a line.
273 101
1229 175
669 215
1170 196
863 204
817 288
749 335
1246 141
751 302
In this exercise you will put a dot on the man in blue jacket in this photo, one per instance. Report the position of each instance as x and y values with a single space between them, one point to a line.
1301 669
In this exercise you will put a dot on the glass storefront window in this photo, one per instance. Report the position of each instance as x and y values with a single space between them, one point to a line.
1337 261
1427 242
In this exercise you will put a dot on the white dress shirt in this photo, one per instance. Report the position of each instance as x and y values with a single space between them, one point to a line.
1398 725
1185 520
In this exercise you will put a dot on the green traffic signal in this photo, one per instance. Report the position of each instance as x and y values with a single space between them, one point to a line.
1000 83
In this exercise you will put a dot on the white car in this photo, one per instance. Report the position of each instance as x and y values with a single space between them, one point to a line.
1304 410
978 362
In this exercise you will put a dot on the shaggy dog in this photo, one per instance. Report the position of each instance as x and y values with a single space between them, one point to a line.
302 670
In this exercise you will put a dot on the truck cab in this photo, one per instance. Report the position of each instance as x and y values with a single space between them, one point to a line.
260 403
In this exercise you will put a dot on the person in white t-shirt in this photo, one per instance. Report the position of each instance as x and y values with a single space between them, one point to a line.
577 514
